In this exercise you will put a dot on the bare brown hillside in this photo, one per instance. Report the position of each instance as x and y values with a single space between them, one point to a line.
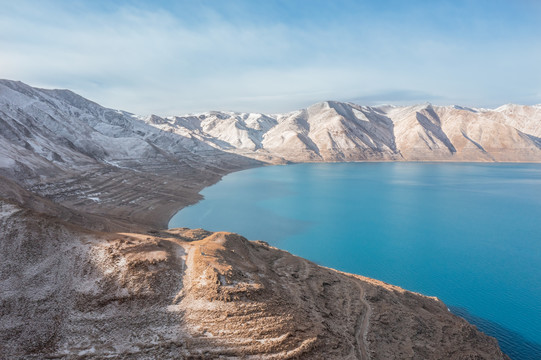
73 293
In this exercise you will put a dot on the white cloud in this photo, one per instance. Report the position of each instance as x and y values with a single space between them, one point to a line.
151 60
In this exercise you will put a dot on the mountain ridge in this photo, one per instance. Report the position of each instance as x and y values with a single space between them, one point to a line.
335 131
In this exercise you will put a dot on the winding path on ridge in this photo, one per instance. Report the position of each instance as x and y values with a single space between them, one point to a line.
361 328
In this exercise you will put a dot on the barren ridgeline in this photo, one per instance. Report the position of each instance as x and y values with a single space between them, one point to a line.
88 269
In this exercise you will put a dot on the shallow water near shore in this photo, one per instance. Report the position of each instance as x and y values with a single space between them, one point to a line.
469 234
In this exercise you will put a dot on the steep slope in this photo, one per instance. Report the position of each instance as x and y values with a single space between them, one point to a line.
335 132
456 134
107 162
73 293
493 134
523 118
420 135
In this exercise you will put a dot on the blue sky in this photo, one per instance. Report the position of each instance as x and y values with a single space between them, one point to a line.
177 57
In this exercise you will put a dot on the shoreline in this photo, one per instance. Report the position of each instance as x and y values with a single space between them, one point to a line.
171 215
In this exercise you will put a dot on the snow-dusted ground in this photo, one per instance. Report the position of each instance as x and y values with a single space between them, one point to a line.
76 153
43 132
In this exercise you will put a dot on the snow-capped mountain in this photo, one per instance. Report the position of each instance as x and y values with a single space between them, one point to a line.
334 131
60 129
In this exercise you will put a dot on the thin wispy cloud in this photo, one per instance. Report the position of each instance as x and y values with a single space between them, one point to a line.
180 57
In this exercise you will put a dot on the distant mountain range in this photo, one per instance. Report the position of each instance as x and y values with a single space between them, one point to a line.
335 131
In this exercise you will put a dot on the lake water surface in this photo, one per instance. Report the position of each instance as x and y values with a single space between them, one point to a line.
469 234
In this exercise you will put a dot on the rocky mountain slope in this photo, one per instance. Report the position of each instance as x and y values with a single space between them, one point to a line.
108 163
68 292
334 131
88 270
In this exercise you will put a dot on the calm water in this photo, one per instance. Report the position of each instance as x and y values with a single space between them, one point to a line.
469 234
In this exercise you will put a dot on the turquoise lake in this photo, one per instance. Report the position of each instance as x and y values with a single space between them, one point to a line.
469 234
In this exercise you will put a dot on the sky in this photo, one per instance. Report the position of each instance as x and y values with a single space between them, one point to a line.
180 57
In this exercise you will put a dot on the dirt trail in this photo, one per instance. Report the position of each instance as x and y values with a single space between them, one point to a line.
361 328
